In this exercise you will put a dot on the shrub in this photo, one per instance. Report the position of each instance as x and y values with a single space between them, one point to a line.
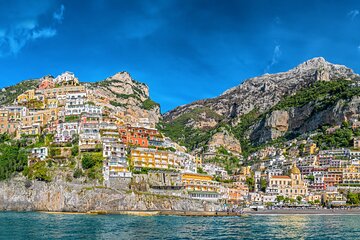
40 172
78 173
149 104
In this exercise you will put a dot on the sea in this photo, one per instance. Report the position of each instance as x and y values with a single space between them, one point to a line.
36 225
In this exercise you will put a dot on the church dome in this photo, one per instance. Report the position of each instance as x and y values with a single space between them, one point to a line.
295 170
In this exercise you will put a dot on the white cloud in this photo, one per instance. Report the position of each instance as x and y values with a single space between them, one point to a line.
59 15
353 13
43 33
19 33
274 59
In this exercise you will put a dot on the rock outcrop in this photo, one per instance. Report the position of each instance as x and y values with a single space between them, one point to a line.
226 140
18 194
125 94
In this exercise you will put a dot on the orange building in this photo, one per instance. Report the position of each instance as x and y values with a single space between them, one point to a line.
46 84
137 136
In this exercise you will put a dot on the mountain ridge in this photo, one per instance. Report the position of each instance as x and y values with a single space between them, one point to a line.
259 94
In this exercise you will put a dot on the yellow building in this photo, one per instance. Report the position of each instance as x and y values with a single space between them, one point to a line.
26 96
29 130
51 103
289 186
310 149
351 175
54 92
36 118
4 121
153 158
199 183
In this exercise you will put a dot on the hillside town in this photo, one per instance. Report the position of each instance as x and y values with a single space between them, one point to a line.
76 124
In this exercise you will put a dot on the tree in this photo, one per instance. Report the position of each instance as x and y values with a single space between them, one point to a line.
251 183
352 198
280 198
299 198
263 184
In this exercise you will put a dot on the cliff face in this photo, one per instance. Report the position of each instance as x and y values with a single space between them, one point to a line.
262 94
124 93
17 194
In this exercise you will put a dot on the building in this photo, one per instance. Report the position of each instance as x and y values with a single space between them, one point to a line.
351 175
26 96
153 158
310 149
40 153
66 131
46 83
140 136
289 186
357 142
201 186
67 79
115 164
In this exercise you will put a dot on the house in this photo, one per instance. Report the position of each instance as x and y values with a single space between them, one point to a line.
46 83
89 138
153 158
40 153
66 131
356 142
310 149
26 96
201 186
115 164
67 79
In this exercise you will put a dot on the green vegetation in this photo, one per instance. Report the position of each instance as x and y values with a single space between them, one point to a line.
263 184
353 198
72 118
187 136
39 171
246 121
75 151
341 137
250 181
78 173
229 162
92 163
116 104
13 157
324 93
34 104
11 93
149 104
201 170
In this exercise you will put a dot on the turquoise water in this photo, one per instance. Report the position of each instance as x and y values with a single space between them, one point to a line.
32 225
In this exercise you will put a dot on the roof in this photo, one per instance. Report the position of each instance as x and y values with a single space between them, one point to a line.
282 177
295 170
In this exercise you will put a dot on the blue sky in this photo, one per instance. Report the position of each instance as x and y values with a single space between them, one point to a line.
184 50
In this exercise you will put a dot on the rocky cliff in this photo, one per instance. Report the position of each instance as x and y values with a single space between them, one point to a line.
262 94
18 194
121 91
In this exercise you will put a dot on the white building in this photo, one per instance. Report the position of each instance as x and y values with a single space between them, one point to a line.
40 153
66 131
79 109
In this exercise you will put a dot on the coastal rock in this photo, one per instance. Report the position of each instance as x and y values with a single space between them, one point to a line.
17 195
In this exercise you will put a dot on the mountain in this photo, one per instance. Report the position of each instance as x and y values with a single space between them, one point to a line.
250 112
119 91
